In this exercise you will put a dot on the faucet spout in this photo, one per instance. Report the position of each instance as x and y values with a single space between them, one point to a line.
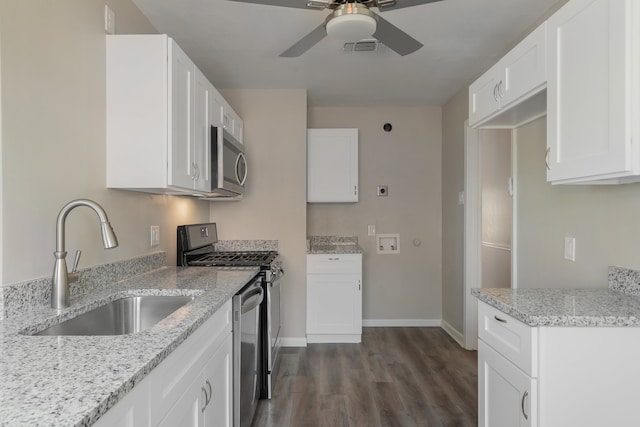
60 280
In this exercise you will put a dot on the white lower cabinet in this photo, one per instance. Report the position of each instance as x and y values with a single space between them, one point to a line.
334 298
206 402
507 394
555 376
191 387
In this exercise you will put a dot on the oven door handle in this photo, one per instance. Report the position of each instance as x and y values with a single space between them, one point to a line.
251 299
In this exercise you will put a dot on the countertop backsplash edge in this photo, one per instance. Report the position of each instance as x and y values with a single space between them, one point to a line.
18 298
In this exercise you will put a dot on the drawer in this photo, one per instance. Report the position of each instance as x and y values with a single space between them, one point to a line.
513 339
334 264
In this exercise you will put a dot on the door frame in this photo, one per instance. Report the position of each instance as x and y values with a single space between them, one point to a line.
472 270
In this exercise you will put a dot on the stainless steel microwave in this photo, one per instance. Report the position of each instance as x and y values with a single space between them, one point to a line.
228 164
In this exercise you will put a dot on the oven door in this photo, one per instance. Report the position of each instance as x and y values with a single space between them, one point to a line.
228 163
271 338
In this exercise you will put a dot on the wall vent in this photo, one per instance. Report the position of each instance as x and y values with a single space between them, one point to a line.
362 46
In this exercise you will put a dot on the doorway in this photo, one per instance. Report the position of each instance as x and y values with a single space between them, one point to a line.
488 216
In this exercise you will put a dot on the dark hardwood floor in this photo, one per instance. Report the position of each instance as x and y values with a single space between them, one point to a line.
396 377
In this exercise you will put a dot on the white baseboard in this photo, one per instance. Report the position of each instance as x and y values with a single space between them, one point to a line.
389 323
453 333
394 323
334 338
293 341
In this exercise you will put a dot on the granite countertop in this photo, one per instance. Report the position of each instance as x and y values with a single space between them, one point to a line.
334 245
565 307
73 380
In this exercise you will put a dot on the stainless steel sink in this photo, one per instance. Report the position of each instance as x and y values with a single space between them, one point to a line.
119 317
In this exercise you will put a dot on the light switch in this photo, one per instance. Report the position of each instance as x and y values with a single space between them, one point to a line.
154 235
570 248
371 230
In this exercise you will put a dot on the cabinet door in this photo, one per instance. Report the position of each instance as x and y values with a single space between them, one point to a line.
525 68
588 124
332 165
334 304
181 79
131 411
218 411
201 154
187 410
484 98
506 395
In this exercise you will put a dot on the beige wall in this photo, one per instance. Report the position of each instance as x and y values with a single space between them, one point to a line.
406 286
454 114
53 139
603 220
274 206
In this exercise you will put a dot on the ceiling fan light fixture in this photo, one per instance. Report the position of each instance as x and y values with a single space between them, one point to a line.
351 22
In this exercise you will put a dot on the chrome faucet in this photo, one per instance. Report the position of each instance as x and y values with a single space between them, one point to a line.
62 278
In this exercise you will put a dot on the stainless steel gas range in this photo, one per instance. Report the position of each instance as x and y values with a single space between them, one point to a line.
197 247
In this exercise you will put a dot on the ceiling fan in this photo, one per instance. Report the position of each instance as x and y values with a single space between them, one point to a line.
352 20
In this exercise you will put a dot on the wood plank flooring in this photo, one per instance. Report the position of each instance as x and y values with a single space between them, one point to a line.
396 377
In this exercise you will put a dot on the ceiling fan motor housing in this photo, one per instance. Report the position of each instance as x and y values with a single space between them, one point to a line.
351 21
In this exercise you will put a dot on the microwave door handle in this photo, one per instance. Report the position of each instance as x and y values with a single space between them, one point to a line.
244 159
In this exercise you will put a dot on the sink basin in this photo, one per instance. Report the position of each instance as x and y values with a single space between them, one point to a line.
119 317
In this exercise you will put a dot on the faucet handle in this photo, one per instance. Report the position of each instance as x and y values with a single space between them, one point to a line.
73 275
76 261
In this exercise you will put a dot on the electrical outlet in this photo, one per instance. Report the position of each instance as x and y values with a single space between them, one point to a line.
109 20
154 233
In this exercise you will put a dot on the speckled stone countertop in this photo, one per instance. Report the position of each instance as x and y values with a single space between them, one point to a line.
333 245
73 380
565 307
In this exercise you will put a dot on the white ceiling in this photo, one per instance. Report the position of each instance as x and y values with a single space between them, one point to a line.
237 45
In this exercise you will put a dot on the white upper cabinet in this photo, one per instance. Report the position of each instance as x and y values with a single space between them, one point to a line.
332 165
511 93
593 92
160 109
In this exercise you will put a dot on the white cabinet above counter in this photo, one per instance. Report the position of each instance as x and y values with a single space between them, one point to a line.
160 109
590 91
512 92
593 93
332 165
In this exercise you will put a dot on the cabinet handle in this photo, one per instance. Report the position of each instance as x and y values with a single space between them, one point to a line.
210 393
546 158
500 91
499 319
524 396
206 399
495 93
334 259
355 190
359 284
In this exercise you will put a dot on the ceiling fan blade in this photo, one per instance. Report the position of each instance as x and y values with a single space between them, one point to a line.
394 38
301 4
307 42
399 4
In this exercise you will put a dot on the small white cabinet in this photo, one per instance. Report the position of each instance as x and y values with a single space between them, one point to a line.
593 93
555 376
334 298
507 387
511 92
332 165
